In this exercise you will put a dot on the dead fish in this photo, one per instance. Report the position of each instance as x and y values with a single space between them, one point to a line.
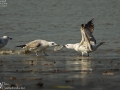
58 47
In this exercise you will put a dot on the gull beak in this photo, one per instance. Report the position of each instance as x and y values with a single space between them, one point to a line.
57 45
10 38
64 46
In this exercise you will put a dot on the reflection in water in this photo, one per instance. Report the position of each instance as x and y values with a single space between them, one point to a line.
86 68
81 65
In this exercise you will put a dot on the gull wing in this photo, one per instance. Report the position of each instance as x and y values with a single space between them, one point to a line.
33 45
88 29
90 25
87 37
85 40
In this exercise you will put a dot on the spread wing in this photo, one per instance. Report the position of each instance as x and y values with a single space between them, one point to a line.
90 26
85 40
88 30
87 37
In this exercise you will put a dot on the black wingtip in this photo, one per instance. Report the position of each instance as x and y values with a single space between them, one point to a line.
102 42
82 25
21 46
91 21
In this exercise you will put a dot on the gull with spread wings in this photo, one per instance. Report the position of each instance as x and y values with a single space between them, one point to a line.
88 43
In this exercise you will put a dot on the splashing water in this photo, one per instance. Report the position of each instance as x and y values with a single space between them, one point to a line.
13 51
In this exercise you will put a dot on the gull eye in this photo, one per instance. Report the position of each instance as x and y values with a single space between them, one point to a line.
52 43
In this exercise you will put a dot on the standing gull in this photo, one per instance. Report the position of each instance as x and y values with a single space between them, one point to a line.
4 40
37 45
88 43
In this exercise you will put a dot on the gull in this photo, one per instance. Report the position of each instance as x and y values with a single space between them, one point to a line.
37 45
4 40
88 43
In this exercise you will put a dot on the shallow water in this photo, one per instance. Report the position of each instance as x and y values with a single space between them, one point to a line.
59 21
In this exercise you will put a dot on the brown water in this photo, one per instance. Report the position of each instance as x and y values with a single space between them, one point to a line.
59 21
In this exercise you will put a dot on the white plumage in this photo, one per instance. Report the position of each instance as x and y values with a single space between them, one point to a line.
37 45
88 43
4 40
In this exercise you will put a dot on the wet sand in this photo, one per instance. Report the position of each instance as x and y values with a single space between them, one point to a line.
59 21
66 72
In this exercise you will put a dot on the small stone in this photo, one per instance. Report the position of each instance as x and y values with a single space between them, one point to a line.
108 73
99 62
56 70
12 85
54 62
32 64
40 84
111 61
12 78
69 81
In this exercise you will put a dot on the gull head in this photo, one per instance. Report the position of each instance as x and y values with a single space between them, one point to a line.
69 46
52 44
7 38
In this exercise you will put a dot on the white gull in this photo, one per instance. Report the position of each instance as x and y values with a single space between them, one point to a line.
4 40
37 45
88 43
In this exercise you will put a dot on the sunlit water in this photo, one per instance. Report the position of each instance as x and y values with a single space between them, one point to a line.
59 21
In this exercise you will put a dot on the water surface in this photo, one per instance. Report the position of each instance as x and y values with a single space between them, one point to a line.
60 21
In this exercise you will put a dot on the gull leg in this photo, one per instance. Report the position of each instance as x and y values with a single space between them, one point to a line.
36 53
82 53
88 54
45 53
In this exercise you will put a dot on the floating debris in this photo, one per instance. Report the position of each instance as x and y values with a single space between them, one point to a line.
6 52
69 81
12 85
99 62
56 71
32 64
12 78
111 61
117 63
40 84
108 73
80 59
54 62
63 87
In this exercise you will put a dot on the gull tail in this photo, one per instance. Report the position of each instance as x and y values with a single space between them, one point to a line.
21 46
95 47
101 43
